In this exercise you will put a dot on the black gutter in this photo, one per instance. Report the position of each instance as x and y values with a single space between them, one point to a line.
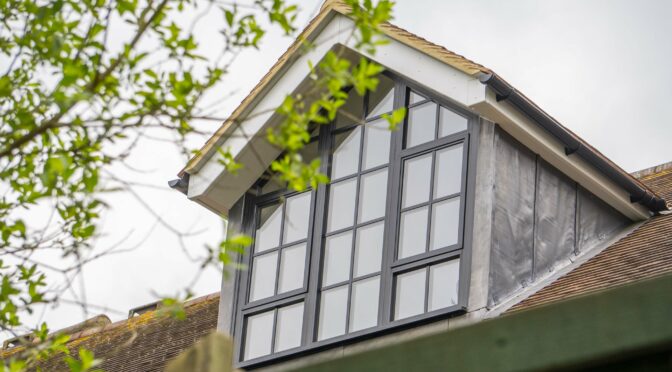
573 144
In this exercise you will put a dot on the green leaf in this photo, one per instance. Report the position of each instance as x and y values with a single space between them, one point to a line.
229 17
395 118
85 363
5 86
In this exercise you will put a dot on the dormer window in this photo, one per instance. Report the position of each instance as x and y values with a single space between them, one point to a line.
379 248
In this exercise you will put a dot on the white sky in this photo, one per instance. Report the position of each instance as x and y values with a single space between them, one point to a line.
599 67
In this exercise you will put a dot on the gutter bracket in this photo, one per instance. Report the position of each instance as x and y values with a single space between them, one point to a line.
504 96
570 151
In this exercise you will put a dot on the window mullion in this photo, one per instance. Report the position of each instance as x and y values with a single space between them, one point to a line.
426 304
277 272
311 300
283 200
431 203
392 211
437 121
274 330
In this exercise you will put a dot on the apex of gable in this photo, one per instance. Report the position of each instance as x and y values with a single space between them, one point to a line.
332 4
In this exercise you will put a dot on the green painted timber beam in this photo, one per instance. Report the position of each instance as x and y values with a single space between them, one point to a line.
626 326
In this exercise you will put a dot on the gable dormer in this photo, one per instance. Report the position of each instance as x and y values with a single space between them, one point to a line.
475 199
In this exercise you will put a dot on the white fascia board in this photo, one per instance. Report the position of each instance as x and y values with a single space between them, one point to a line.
514 122
217 189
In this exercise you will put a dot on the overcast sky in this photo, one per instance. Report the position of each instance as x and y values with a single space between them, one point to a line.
599 67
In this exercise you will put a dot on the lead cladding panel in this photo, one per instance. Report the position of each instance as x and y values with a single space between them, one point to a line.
555 210
513 220
597 220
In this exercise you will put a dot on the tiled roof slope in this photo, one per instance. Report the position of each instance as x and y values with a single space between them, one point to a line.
644 253
143 343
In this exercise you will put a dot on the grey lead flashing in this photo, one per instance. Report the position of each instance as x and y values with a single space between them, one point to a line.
573 144
571 263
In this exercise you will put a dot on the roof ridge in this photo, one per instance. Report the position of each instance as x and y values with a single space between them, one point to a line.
148 314
95 322
646 172
143 317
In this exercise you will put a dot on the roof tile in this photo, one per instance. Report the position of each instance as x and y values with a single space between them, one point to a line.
143 343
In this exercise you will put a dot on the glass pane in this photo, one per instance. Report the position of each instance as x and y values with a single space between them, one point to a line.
352 112
292 263
443 284
382 99
290 326
297 217
410 295
417 177
372 195
415 98
263 276
369 249
341 213
451 122
268 233
258 335
364 307
445 223
421 124
413 233
337 250
345 160
333 309
448 171
376 144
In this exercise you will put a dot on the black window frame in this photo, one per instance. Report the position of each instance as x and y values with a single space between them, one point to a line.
390 266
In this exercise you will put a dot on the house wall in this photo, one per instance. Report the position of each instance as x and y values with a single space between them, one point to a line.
541 219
